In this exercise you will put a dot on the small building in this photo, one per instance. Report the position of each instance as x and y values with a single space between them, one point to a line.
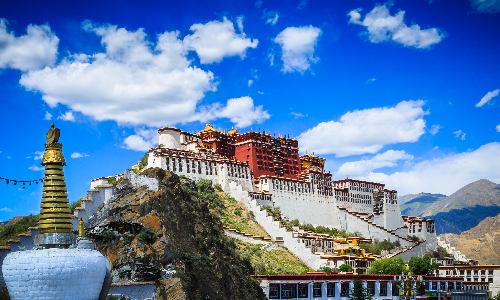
319 286
475 277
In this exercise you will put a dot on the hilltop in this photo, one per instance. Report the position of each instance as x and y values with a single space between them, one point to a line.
458 212
480 243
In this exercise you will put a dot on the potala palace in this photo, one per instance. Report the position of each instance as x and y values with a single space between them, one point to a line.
269 170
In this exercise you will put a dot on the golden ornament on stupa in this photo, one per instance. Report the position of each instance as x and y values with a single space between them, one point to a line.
55 214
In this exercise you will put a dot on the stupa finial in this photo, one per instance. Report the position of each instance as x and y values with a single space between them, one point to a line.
55 214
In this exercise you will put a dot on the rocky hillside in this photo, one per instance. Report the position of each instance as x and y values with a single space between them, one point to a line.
458 212
150 236
480 243
415 205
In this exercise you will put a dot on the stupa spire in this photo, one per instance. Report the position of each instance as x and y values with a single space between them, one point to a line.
55 214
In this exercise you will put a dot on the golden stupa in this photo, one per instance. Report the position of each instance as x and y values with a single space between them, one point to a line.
55 214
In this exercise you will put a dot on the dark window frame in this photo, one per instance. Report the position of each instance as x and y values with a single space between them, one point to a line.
370 288
317 292
344 289
288 291
330 289
383 289
274 291
300 290
395 289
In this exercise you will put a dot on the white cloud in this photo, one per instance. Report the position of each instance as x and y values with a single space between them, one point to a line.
486 6
435 148
297 115
459 133
488 97
48 116
78 155
498 128
143 140
363 167
38 155
297 45
271 58
250 82
6 209
447 174
367 131
68 116
371 80
132 82
215 40
262 93
435 129
36 49
381 27
302 4
35 168
270 16
241 111
259 3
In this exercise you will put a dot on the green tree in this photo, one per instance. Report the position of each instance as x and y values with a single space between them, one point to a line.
345 268
422 266
358 292
389 266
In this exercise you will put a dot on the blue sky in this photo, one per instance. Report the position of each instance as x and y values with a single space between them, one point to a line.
401 92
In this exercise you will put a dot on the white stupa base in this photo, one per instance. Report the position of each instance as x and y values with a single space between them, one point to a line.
72 274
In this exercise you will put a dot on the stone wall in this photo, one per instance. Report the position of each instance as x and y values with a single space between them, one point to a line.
141 180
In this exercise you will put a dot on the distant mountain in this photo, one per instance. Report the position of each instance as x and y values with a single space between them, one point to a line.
480 243
415 205
458 212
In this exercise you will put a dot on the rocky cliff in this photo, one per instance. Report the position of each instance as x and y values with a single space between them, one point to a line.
174 237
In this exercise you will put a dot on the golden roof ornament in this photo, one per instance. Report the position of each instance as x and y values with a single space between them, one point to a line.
55 214
208 128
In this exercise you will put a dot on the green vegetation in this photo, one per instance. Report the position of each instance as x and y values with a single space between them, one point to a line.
422 266
236 216
345 268
377 246
358 292
413 238
112 180
439 253
327 270
390 266
325 230
12 230
107 235
142 164
147 235
278 261
76 204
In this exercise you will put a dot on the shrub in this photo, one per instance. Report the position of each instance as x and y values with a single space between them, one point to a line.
327 269
204 186
76 204
111 180
413 238
345 268
218 187
107 235
147 235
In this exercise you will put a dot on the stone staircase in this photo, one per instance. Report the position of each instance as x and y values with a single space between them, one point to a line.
457 255
374 229
276 231
96 198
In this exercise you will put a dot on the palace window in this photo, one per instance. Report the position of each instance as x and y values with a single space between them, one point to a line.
395 289
288 291
344 290
274 291
317 290
434 286
383 289
303 291
330 289
370 287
